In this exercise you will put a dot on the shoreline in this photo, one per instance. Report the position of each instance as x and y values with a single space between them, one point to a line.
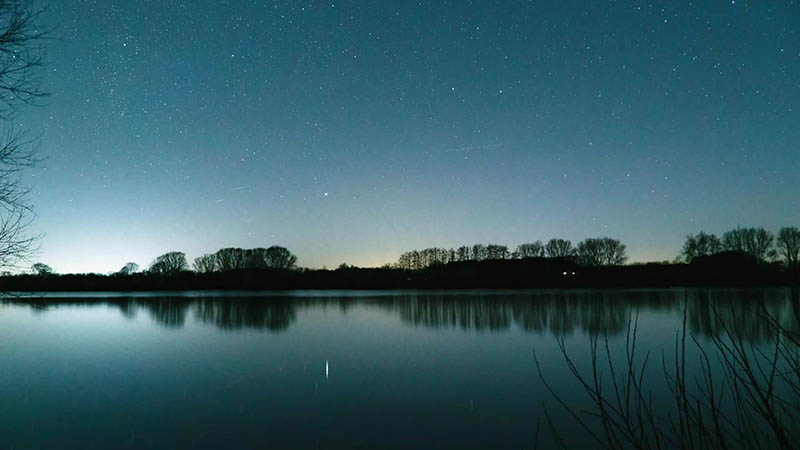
504 275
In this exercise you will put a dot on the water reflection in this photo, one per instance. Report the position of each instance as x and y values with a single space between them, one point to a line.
750 313
169 312
557 312
237 313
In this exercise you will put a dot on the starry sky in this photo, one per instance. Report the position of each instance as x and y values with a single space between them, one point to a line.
350 131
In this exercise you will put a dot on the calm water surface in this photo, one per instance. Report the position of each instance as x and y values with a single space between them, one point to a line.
323 369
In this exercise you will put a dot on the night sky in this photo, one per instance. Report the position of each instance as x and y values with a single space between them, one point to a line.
350 131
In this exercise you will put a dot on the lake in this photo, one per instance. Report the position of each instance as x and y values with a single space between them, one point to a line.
444 369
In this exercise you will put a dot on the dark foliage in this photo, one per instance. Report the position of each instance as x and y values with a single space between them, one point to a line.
744 396
724 269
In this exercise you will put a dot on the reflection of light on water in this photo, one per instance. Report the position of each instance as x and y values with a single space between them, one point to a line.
326 370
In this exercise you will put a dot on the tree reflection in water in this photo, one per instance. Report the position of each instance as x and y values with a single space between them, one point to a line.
557 312
274 314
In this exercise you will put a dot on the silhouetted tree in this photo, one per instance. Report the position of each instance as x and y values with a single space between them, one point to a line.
789 245
615 252
733 240
169 264
227 259
230 259
429 256
531 250
416 260
559 248
698 245
591 252
756 242
280 258
129 269
602 252
494 251
404 261
256 258
41 269
206 263
21 53
426 256
478 252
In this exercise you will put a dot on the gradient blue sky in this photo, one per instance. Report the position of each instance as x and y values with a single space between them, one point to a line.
350 131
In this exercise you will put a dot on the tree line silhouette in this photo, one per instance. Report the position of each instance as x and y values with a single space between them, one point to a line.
741 257
223 260
595 252
756 243
752 243
275 257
